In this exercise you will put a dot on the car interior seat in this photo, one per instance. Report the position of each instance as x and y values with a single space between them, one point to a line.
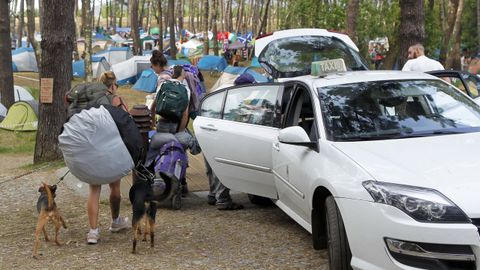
414 108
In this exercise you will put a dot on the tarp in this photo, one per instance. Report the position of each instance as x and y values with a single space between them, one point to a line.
93 148
212 62
23 59
115 55
191 48
129 71
21 116
231 73
147 81
99 65
154 31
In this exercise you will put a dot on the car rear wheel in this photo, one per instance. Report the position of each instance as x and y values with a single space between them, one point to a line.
259 200
339 253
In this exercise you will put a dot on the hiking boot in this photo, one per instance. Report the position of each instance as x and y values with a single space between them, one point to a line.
229 206
121 223
92 237
211 200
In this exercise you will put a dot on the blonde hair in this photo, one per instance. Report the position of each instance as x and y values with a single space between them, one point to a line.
108 78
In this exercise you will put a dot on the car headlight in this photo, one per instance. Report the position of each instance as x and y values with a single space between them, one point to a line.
422 204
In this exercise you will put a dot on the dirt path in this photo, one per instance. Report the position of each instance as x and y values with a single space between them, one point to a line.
196 237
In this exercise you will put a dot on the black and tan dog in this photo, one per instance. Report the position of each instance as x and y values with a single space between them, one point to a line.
144 209
47 211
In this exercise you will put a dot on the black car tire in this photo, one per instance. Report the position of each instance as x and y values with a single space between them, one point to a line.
259 200
339 253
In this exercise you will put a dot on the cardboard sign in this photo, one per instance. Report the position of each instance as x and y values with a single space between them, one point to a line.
46 90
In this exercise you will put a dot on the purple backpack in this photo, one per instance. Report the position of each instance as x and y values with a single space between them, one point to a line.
172 160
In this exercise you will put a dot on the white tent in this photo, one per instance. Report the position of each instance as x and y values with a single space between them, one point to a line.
99 67
115 55
3 112
128 71
21 93
23 59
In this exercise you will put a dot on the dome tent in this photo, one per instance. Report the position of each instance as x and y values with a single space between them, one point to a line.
21 116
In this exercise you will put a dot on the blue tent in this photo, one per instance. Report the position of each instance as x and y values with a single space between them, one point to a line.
240 70
23 59
147 81
255 62
212 62
99 65
177 62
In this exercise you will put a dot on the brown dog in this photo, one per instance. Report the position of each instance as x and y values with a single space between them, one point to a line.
48 211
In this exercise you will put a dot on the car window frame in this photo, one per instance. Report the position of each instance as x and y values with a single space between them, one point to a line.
277 110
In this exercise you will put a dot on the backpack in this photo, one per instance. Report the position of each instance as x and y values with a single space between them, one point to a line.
87 95
172 100
172 160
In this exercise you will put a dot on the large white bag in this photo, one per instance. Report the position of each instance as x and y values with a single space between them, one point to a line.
93 148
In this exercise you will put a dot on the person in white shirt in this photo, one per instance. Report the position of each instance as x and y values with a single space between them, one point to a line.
419 62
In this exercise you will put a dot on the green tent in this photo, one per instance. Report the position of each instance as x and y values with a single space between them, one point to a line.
21 116
154 31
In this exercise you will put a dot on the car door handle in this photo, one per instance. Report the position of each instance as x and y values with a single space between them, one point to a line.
209 128
276 146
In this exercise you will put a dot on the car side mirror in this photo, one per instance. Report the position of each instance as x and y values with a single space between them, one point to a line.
296 136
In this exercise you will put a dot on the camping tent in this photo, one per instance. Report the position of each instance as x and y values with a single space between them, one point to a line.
99 65
21 93
147 82
231 73
115 55
212 62
22 116
128 71
3 112
23 59
192 48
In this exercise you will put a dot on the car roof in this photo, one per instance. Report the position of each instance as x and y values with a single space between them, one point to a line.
262 42
359 76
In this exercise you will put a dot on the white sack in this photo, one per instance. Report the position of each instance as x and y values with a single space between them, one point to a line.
93 148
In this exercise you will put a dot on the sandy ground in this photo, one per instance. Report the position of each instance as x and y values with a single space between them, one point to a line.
196 237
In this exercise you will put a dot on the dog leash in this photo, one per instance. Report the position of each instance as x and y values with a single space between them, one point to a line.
61 178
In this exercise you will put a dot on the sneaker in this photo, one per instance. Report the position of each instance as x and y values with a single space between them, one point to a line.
229 206
92 237
122 223
211 200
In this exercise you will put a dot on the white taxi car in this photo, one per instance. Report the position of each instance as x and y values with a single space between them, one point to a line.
380 166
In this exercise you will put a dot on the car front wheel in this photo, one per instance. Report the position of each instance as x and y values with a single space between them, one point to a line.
339 253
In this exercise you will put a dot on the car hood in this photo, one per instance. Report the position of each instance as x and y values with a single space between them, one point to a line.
447 163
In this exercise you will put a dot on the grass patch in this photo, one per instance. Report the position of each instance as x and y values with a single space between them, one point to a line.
17 142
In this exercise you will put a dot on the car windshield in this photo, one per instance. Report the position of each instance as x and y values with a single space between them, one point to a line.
293 56
396 109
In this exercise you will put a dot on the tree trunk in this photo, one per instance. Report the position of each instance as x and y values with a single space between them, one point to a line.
6 73
92 16
239 16
452 8
205 28
179 16
264 20
31 31
142 12
412 26
113 10
171 25
351 23
192 16
100 14
149 15
222 15
21 21
453 59
121 13
57 45
214 26
108 15
160 25
88 40
478 25
83 19
137 49
199 15
230 16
